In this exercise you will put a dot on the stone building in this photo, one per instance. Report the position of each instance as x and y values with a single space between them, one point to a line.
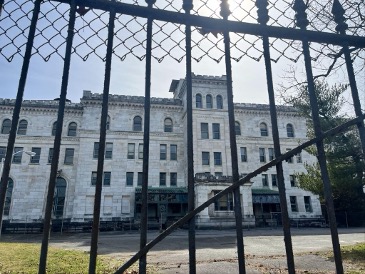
121 195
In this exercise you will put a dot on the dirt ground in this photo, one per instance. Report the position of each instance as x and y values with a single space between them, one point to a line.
216 249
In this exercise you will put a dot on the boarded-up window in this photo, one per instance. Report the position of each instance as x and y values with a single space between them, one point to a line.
108 204
126 204
89 205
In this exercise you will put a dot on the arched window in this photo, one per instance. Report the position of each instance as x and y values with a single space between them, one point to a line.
22 128
263 130
289 130
219 102
168 125
72 128
137 123
237 128
54 128
209 102
198 100
59 197
108 123
9 193
6 126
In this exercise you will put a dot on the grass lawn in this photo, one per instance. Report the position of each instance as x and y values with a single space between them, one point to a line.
24 257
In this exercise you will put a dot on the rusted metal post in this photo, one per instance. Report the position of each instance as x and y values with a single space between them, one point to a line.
338 13
57 141
302 23
101 152
263 18
146 141
233 144
188 6
17 108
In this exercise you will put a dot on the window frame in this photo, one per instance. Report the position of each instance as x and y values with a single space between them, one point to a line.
173 152
216 131
129 178
293 203
209 101
290 130
204 131
219 100
271 153
72 129
22 127
225 203
131 150
264 130
6 126
243 152
205 158
139 178
237 128
274 180
198 102
54 129
163 152
308 204
168 125
137 123
36 158
69 156
265 179
17 158
106 179
162 181
217 158
140 151
173 178
50 155
262 155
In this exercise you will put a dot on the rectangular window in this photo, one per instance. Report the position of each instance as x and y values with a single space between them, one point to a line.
204 130
173 152
129 179
225 203
139 178
50 155
216 131
163 149
271 153
293 180
2 153
218 174
173 179
205 158
96 150
290 160
217 158
308 204
130 151
274 180
299 157
293 204
35 159
162 178
106 178
108 150
265 181
262 155
17 158
243 154
140 151
69 156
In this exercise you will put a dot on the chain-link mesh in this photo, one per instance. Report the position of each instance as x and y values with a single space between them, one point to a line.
168 38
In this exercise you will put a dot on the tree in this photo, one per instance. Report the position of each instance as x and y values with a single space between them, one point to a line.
345 160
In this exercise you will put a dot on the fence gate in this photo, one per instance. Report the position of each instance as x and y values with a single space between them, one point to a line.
162 29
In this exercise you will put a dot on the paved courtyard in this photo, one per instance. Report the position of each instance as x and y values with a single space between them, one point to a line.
216 249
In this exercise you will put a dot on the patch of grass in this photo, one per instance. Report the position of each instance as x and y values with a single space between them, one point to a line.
24 258
354 253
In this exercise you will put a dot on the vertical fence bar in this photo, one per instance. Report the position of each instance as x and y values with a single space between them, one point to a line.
263 18
188 6
146 142
338 12
232 136
302 23
101 152
1 6
57 142
17 108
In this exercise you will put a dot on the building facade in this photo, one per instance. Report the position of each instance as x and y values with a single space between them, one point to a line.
167 178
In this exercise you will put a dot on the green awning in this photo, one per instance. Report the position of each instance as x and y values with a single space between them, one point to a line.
265 196
264 191
163 190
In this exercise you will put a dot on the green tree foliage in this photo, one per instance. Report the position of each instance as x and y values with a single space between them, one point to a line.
345 161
